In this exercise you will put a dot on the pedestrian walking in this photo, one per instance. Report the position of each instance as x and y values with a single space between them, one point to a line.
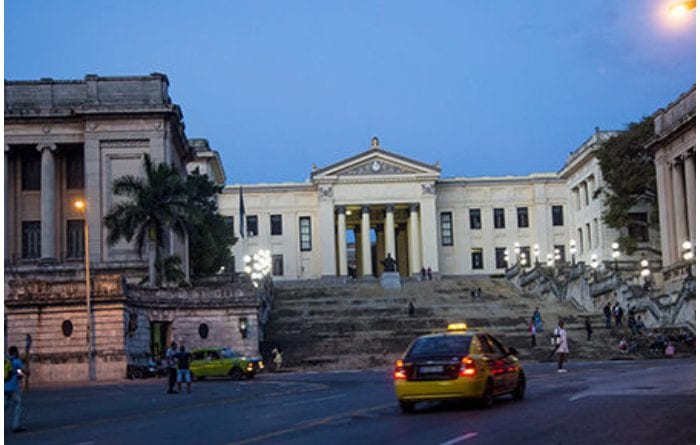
562 345
422 273
183 369
277 359
537 319
589 328
533 334
618 313
171 365
411 309
430 273
14 371
608 315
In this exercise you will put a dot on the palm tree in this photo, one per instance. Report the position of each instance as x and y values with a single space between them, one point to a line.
154 204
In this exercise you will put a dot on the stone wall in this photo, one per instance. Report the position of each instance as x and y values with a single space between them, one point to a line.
51 308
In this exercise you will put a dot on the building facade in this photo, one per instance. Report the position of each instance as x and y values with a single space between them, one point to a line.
67 141
350 215
593 239
674 148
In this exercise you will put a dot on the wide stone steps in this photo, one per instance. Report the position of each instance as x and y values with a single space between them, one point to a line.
362 325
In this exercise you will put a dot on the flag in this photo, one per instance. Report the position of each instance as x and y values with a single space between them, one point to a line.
241 213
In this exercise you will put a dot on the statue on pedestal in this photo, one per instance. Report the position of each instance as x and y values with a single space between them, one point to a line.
389 263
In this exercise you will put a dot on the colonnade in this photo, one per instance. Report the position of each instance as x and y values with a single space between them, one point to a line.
677 204
365 246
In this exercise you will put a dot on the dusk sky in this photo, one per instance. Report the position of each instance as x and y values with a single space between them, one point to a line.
485 87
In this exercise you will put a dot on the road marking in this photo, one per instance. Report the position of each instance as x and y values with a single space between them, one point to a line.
320 399
461 438
312 424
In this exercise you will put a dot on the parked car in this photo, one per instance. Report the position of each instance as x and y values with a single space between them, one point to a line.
223 362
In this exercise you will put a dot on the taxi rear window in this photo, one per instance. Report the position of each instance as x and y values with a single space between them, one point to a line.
443 345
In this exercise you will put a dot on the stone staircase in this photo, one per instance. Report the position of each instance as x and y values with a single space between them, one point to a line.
361 325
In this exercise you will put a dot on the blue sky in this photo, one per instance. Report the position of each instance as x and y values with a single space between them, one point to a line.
485 87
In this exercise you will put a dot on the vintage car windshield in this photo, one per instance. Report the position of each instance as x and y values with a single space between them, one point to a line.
228 353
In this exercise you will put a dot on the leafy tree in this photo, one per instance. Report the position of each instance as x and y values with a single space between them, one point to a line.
210 237
627 165
155 204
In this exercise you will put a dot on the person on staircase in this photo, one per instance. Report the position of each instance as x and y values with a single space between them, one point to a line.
562 348
608 315
589 328
537 319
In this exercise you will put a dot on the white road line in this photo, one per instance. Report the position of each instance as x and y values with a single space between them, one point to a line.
320 399
460 438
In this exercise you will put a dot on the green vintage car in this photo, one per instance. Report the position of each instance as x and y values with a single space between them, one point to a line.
221 362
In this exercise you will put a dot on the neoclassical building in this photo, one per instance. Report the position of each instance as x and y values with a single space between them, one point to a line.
67 140
674 147
350 215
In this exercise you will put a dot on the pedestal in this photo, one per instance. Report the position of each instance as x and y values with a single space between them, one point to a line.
391 280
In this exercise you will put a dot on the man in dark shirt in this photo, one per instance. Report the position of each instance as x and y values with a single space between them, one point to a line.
183 369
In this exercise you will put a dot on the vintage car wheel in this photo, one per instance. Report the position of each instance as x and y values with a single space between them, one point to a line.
235 373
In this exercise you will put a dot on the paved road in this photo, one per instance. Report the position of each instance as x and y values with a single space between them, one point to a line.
631 402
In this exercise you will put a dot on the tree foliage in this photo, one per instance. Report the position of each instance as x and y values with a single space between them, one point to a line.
210 237
163 200
627 165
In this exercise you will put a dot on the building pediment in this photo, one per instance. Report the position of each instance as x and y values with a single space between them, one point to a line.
376 162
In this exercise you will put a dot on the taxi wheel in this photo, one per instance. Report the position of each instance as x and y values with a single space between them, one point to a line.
487 396
519 391
235 373
406 407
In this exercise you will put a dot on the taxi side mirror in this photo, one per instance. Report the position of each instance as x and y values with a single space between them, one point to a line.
512 351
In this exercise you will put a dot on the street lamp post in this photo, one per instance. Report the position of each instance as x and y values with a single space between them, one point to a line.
615 253
81 206
688 256
536 250
572 250
645 272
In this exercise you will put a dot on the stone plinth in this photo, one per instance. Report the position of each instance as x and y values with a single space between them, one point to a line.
391 280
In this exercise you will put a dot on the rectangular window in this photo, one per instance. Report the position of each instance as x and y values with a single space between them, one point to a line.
75 239
638 228
305 233
501 258
31 172
580 241
577 198
522 217
557 215
499 219
228 220
585 193
475 219
525 253
446 228
589 243
251 225
277 265
477 258
75 173
596 242
275 224
31 240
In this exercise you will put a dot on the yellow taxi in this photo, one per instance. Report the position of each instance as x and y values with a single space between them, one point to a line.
223 362
457 364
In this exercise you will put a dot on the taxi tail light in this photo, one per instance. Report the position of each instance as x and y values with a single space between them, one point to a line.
399 371
467 368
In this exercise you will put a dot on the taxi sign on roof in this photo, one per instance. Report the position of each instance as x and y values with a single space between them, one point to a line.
457 327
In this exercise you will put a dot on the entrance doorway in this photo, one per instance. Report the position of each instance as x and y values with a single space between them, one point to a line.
160 333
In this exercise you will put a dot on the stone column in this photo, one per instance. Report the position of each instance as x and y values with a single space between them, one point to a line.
366 244
8 225
679 206
389 239
342 244
689 166
414 254
48 202
326 231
